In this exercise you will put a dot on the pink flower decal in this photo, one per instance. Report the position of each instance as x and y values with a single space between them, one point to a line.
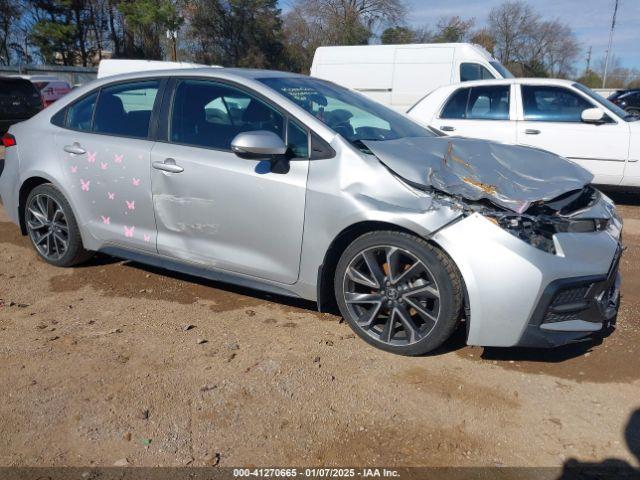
147 238
118 158
74 169
131 205
112 196
136 182
103 165
106 220
91 157
85 185
128 231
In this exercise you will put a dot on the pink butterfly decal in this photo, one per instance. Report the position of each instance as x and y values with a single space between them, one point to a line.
128 231
106 220
147 238
118 158
131 205
74 169
136 182
91 157
112 196
103 165
85 185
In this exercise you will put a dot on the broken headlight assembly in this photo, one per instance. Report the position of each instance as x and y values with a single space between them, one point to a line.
538 230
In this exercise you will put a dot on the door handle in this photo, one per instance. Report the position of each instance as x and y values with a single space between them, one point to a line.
169 165
75 149
447 128
532 131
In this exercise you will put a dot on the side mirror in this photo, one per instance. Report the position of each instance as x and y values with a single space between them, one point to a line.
258 144
593 115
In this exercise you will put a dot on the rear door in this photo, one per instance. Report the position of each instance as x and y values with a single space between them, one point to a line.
551 120
216 209
484 112
104 148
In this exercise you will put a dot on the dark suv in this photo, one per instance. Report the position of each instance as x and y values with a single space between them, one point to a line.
627 99
19 100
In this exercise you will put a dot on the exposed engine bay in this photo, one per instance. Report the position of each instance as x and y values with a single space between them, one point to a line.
531 193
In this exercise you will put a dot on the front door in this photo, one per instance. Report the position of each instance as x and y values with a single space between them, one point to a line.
216 209
551 120
105 158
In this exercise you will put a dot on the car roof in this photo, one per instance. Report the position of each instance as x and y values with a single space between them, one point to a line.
217 72
519 81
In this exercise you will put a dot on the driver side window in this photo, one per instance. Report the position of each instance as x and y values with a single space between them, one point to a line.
544 103
208 114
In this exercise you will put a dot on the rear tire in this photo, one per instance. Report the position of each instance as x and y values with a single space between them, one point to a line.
398 292
52 227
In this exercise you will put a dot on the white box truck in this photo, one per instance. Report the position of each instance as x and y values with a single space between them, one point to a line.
400 75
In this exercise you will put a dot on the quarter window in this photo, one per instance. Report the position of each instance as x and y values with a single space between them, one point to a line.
552 104
474 71
210 115
80 114
125 109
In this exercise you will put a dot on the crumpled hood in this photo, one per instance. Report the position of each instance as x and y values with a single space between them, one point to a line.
510 176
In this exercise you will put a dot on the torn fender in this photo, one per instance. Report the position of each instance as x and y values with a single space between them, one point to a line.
510 176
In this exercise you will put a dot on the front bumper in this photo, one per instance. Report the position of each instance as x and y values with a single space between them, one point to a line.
511 286
573 309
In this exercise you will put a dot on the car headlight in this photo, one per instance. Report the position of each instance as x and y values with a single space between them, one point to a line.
538 231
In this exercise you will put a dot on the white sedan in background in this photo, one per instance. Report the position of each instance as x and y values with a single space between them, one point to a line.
560 116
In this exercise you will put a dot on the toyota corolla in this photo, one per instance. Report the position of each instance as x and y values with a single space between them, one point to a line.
297 186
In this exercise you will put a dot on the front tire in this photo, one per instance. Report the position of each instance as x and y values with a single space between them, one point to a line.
52 227
398 292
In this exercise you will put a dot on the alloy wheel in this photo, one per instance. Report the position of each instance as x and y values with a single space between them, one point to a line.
391 295
47 227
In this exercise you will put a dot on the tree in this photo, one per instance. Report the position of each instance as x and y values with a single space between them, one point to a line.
243 33
398 35
484 38
10 13
529 46
145 23
452 29
591 79
313 23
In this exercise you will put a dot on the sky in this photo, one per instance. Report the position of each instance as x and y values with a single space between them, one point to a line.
589 19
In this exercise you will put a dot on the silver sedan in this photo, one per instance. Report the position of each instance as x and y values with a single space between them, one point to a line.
300 187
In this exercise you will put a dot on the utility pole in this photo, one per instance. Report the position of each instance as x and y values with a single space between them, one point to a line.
172 35
589 60
606 61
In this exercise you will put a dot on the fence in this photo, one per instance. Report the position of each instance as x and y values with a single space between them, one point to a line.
74 75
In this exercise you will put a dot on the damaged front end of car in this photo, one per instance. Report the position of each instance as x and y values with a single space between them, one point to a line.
548 275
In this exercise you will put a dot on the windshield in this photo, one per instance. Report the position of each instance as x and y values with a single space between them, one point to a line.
348 113
502 70
606 103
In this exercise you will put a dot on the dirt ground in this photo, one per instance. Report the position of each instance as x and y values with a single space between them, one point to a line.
114 361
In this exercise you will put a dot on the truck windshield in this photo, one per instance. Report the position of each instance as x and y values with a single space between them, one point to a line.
348 113
628 117
502 70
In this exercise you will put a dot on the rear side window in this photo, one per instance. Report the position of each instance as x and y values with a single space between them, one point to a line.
552 104
210 114
478 103
80 114
489 103
474 71
125 109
